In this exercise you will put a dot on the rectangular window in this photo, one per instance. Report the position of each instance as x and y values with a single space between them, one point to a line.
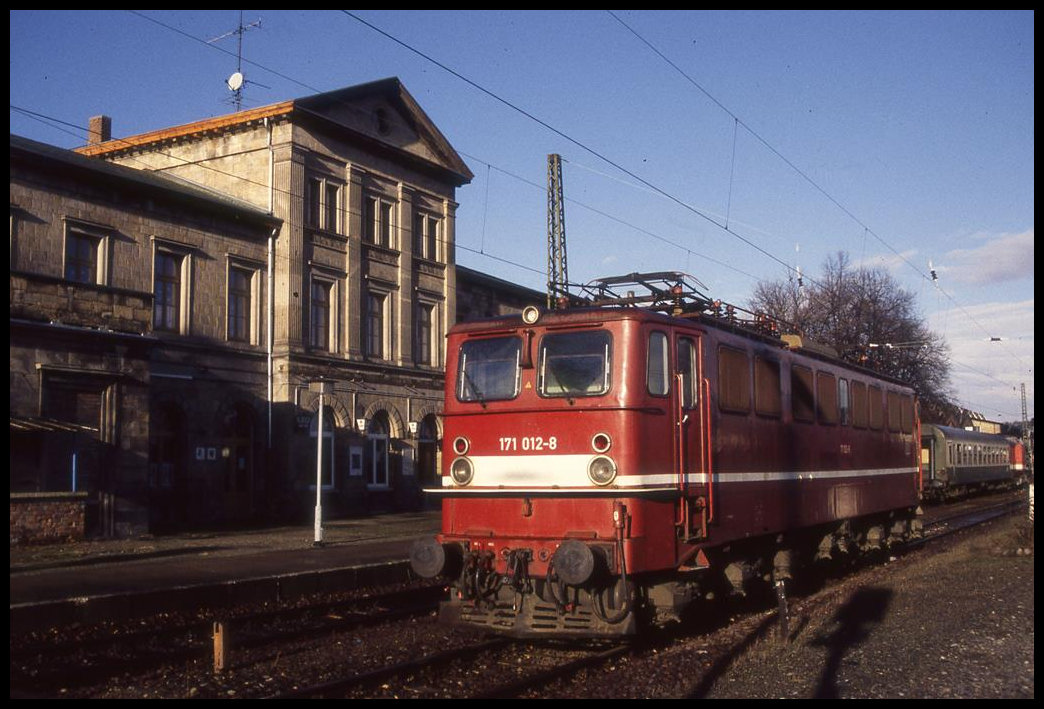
826 398
322 204
379 222
332 208
426 236
423 334
687 372
319 320
375 330
489 369
894 413
575 364
166 309
906 404
802 395
859 405
876 407
313 196
656 368
240 297
768 398
81 257
733 380
842 401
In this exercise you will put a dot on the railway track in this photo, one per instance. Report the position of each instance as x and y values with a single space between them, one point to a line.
378 645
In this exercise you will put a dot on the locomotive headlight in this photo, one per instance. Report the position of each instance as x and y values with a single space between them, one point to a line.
601 470
530 314
462 471
461 445
601 442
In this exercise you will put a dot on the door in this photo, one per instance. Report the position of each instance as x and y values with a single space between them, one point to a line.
690 424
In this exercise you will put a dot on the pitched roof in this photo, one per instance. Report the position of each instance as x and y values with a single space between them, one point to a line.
329 108
43 155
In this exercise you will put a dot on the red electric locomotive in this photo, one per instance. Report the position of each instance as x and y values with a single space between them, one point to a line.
607 465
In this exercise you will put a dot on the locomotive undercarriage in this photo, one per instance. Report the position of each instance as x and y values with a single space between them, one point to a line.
603 602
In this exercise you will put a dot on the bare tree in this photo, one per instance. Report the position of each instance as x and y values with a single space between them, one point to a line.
869 319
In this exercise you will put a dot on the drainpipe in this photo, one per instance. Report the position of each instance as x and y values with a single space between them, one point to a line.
270 305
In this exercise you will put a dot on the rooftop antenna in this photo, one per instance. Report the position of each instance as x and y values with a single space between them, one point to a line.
236 81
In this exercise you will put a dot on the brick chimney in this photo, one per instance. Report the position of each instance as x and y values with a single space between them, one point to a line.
99 130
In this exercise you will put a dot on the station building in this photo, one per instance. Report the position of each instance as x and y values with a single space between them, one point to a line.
199 289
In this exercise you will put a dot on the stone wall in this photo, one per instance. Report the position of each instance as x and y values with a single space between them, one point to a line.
47 517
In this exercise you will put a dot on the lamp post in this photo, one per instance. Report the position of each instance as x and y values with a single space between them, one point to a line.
323 387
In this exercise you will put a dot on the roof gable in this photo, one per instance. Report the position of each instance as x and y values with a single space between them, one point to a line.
385 113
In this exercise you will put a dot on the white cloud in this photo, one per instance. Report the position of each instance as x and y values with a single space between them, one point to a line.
1007 257
987 373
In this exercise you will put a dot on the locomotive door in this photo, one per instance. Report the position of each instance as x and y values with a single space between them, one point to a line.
689 424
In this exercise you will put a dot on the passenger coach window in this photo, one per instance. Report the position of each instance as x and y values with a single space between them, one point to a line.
842 400
733 380
575 364
656 372
489 369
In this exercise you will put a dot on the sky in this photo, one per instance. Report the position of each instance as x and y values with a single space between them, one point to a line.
736 146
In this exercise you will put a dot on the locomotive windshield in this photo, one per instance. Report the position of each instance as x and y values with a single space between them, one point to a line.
575 363
489 369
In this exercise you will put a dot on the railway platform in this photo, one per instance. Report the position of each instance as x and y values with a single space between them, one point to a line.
96 580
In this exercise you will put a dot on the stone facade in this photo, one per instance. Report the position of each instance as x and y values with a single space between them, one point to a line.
363 287
246 267
90 369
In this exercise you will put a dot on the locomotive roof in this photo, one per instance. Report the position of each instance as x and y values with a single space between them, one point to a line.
594 315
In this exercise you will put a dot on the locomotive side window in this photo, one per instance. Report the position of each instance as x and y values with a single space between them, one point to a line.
876 408
842 400
733 380
768 400
826 398
656 373
906 423
687 371
893 412
488 369
575 364
859 404
802 397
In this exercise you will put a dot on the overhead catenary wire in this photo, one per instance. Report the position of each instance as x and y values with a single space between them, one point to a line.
481 249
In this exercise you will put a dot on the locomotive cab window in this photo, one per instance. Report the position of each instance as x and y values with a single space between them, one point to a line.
687 372
488 369
657 372
575 364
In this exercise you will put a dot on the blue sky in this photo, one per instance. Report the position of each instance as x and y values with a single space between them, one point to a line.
732 145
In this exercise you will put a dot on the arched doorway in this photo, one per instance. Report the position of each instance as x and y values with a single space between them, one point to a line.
376 464
428 472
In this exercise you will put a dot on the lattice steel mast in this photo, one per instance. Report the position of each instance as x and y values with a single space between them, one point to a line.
557 270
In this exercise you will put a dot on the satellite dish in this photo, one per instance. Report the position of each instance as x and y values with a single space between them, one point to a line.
235 82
